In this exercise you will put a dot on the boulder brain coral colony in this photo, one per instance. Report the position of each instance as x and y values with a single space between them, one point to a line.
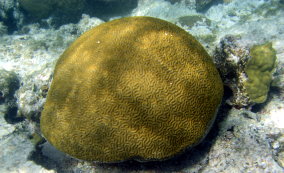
133 88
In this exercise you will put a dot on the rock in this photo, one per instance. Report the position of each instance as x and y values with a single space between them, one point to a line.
236 63
67 11
190 21
10 15
9 83
242 145
3 29
15 147
202 4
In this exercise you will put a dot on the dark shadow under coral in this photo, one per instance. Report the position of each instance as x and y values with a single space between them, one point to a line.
52 159
11 115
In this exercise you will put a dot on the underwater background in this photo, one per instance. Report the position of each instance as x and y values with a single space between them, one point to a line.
245 39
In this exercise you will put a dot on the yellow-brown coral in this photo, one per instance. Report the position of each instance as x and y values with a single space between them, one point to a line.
135 87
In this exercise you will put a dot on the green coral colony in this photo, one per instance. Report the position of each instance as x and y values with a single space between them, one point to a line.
133 88
259 71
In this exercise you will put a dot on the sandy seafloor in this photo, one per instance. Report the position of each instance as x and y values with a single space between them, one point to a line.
241 140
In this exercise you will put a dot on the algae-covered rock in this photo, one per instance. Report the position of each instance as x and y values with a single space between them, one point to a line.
3 29
259 70
36 8
44 8
11 18
202 4
246 70
190 21
66 11
136 87
199 4
230 57
9 83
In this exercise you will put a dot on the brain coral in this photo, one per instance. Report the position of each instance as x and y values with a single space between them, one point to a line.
136 87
